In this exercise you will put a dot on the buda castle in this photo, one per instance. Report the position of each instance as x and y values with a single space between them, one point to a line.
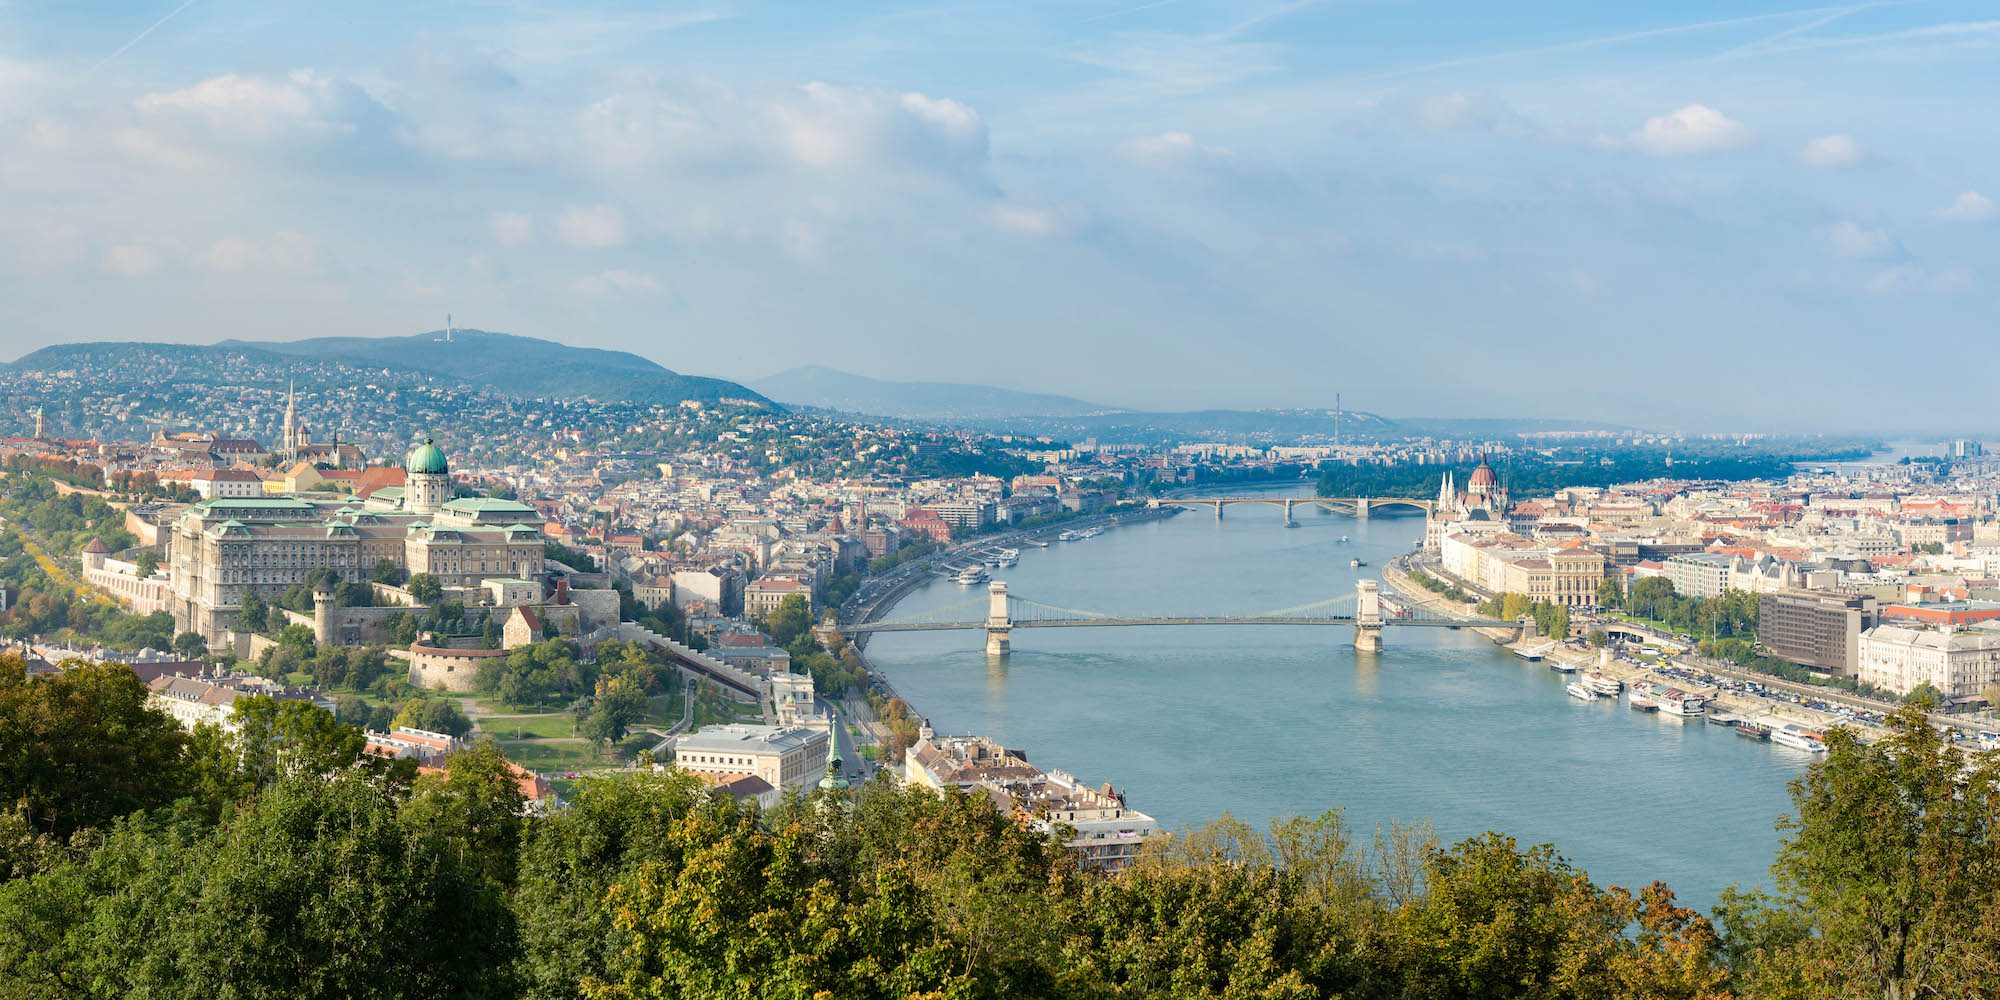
225 549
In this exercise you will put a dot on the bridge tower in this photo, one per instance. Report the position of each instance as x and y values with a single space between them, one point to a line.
1361 508
1288 513
999 628
1368 616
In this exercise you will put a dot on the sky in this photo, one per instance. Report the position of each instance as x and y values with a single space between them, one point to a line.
1703 214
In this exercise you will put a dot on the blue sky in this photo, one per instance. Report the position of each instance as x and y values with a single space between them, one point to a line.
1705 214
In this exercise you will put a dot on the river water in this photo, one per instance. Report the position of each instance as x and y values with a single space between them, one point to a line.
1262 721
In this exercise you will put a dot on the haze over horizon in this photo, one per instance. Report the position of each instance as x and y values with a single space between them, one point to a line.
1717 216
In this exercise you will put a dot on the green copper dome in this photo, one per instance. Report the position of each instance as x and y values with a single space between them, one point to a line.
426 459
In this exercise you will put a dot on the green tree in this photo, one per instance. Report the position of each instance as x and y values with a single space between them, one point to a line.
282 738
253 616
146 562
609 716
789 620
190 645
1608 592
387 572
1892 859
435 715
426 589
476 805
80 747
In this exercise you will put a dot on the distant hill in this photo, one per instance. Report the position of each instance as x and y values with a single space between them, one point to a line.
830 389
516 366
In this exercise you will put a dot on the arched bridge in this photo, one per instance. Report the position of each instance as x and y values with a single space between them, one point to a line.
1358 506
1364 611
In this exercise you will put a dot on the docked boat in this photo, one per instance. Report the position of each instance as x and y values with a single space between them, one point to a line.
1641 703
1009 557
1603 683
1798 738
1068 536
1580 692
1528 654
969 576
1753 731
1674 701
1723 719
1562 666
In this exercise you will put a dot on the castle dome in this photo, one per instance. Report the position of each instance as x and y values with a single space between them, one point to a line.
426 459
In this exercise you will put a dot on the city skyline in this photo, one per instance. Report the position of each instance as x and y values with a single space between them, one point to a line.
1080 199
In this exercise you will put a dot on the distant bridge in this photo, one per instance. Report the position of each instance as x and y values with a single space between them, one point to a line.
1362 611
1360 507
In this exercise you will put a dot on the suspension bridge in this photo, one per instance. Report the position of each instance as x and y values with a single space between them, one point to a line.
1363 611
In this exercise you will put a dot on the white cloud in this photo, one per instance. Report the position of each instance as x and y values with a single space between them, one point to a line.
618 280
305 113
802 240
591 226
1905 279
513 229
1023 220
1170 149
286 253
1969 206
1694 129
1850 239
130 260
817 126
1831 151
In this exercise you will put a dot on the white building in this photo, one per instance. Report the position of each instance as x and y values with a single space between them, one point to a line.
784 756
1958 662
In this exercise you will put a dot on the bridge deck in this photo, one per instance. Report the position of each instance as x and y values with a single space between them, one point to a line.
1176 620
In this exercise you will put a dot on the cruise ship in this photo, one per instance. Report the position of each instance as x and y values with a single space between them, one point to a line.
1753 731
970 575
1603 683
1798 738
1580 692
1009 557
1641 703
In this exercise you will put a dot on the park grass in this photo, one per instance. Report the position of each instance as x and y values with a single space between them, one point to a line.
545 727
574 754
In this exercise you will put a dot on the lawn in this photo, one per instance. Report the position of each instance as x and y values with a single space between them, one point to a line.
573 754
558 726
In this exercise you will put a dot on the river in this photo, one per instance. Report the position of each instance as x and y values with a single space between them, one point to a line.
1263 721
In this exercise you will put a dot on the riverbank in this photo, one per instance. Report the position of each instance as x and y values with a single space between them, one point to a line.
1695 678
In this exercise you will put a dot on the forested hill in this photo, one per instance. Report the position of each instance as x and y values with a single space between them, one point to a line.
511 365
516 366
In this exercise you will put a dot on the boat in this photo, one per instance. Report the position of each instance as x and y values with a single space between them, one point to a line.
1722 719
1356 563
1753 731
1562 667
1641 703
1343 539
1798 738
1674 701
1603 683
1528 654
1068 536
969 576
1580 693
1009 557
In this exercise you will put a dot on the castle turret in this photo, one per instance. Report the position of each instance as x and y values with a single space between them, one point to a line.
323 613
427 483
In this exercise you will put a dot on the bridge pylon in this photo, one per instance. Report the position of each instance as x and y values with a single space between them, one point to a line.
1288 513
999 627
1361 508
1368 616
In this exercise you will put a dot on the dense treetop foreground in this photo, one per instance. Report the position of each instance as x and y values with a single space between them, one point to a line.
140 861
